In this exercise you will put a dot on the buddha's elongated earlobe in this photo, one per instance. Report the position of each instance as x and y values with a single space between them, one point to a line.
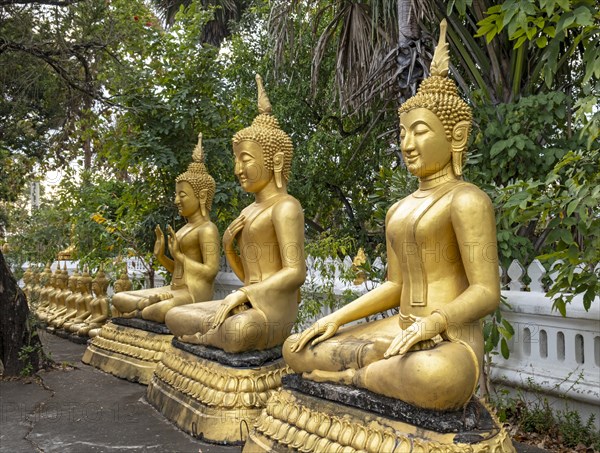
202 200
460 134
278 168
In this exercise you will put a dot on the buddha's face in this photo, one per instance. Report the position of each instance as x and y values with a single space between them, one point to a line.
185 199
424 145
250 166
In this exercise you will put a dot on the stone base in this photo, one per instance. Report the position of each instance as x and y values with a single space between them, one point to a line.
209 398
128 351
73 337
295 420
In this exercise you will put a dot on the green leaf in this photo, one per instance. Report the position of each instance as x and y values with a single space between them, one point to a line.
541 42
520 41
508 326
504 349
572 206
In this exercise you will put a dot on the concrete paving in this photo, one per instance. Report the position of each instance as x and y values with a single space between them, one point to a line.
79 409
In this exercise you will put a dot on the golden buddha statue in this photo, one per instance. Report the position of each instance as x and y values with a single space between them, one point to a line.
35 287
442 272
27 282
194 247
71 294
121 284
79 302
98 306
44 289
270 238
58 298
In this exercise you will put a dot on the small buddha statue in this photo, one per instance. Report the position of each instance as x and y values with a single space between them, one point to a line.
270 239
99 308
194 248
58 298
122 284
70 296
45 287
78 302
27 276
82 300
442 272
35 287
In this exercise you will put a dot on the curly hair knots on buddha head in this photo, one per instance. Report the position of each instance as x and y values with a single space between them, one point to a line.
197 175
438 93
265 131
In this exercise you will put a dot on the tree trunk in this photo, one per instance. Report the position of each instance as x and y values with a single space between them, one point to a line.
411 61
20 347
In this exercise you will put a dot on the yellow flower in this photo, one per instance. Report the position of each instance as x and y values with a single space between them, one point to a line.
98 218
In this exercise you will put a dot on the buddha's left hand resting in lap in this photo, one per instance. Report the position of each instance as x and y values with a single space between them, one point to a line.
442 272
270 239
194 248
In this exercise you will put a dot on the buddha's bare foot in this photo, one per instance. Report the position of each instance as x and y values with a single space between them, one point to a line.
144 303
158 298
131 314
193 339
339 377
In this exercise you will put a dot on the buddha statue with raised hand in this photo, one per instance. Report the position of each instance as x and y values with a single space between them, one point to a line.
194 248
442 272
270 239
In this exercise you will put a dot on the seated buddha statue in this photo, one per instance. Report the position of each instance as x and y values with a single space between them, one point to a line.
72 293
58 298
122 284
44 288
27 282
194 248
270 238
79 302
442 272
99 308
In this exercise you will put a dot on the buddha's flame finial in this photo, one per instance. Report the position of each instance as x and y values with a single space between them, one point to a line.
441 56
198 153
264 105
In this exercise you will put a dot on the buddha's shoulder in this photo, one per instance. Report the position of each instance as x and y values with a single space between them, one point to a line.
468 196
287 203
207 228
393 208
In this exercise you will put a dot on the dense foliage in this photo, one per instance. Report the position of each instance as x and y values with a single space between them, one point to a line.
108 93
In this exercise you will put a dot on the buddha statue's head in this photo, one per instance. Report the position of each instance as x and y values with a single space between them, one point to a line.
262 151
62 277
100 283
195 188
35 275
74 281
27 275
45 275
435 123
123 283
85 281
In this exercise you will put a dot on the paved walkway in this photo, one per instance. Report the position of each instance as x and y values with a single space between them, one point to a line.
80 409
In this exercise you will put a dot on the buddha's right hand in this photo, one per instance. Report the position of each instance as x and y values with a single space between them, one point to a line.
159 245
323 330
233 229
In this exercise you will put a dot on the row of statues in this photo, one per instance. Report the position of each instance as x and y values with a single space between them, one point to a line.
429 354
442 270
75 303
